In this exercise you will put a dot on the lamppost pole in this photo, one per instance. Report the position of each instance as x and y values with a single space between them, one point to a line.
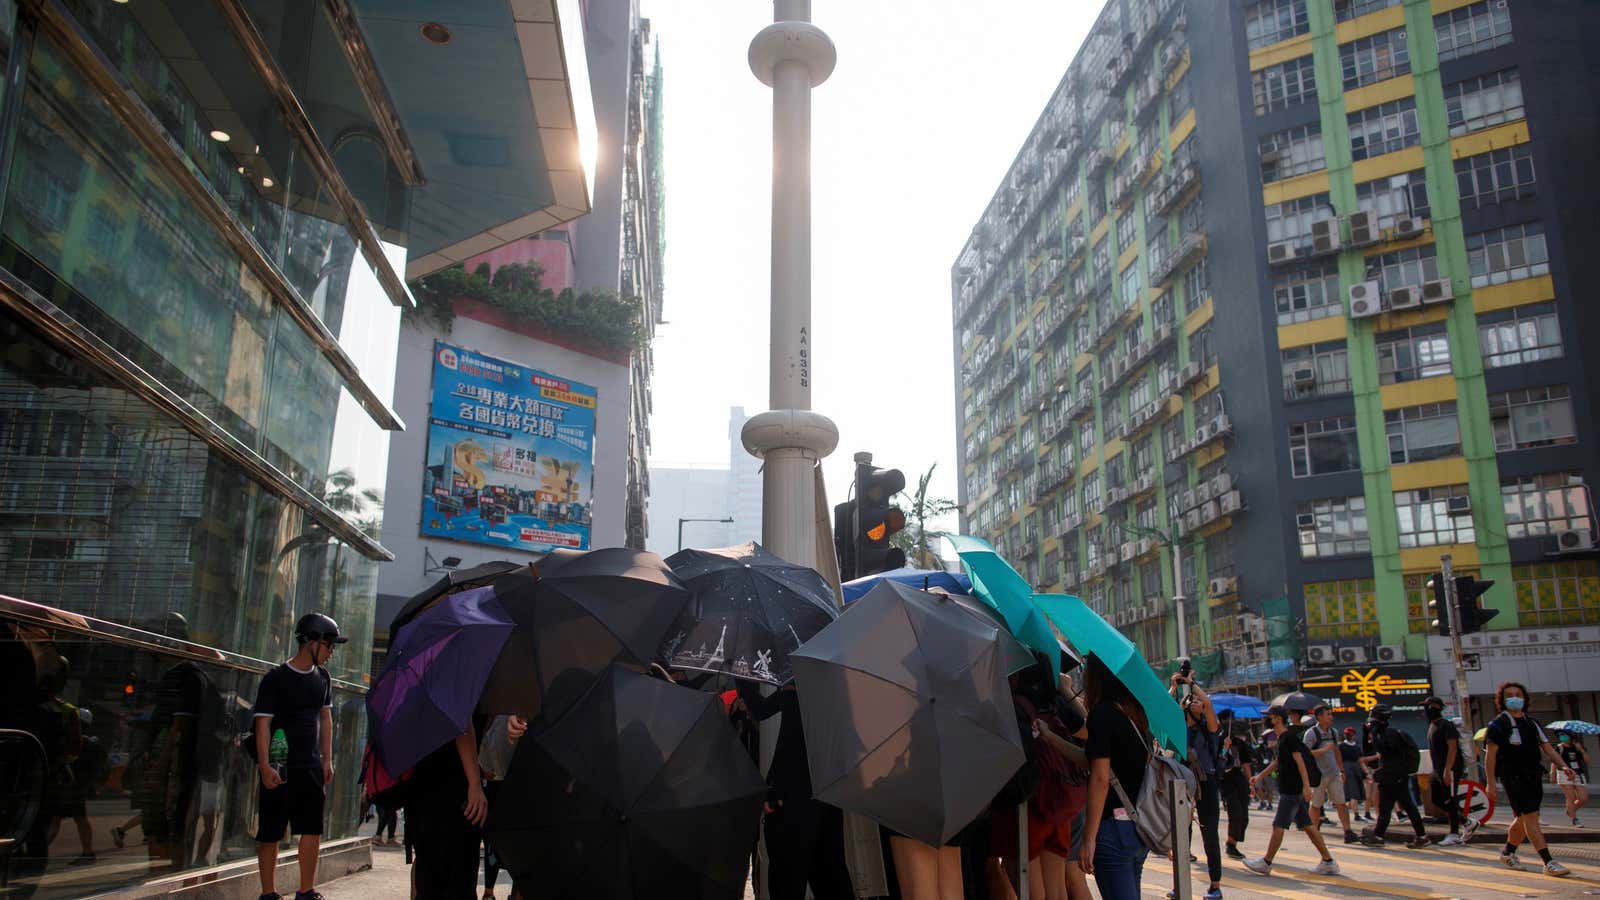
681 520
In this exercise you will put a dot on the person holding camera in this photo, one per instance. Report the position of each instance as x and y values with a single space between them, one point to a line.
1205 761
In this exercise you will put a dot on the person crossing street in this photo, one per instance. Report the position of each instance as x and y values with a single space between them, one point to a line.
1517 751
1322 739
1294 796
1449 766
1398 757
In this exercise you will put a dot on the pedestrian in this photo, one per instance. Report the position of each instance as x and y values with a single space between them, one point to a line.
1449 766
1294 796
445 810
1323 742
1058 724
296 698
1266 752
1204 760
1235 784
1517 751
1118 748
1397 756
1575 787
1355 791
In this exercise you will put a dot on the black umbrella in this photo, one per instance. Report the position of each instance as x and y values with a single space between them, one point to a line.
641 791
907 713
456 580
578 612
1298 701
750 610
1014 655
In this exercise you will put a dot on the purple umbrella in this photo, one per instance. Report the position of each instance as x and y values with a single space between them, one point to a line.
434 675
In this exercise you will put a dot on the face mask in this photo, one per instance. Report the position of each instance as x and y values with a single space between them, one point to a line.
1515 704
1433 712
1565 739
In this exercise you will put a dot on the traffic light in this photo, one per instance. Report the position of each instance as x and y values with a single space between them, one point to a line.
1439 607
1470 612
862 527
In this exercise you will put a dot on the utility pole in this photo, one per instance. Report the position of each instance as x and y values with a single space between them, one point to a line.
1178 600
1463 699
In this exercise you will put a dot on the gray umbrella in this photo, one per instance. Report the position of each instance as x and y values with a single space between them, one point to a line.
907 714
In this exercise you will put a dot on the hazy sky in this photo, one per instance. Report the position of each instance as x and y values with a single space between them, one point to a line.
928 106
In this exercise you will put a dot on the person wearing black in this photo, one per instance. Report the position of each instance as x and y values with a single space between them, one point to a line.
1518 750
1294 795
297 699
804 837
1393 749
1205 753
1576 786
1355 774
1118 748
1235 784
1449 766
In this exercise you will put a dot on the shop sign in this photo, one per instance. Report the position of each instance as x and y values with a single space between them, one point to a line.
1359 688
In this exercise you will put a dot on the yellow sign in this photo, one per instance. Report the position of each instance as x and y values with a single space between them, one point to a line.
1367 687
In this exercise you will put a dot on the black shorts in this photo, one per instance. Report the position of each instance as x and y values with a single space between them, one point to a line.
1525 792
296 804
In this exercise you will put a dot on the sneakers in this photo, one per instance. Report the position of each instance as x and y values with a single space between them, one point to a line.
312 894
1259 865
1452 840
119 836
1233 852
1510 861
1418 842
1557 869
1576 823
1326 867
272 896
1372 840
1212 894
1350 837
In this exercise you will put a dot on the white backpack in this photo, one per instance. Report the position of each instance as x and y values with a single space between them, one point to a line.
1152 814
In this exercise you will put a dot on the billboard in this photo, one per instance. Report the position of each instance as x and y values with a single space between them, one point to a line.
510 454
1359 688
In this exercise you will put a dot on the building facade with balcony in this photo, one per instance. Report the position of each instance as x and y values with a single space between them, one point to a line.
1294 281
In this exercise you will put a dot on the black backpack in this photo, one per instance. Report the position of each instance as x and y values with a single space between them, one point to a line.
1413 753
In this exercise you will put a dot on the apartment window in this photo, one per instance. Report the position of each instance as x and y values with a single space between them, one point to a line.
1404 268
1483 102
1191 216
1074 189
1207 407
1173 437
1161 310
1374 58
1150 573
1200 349
1102 261
1291 152
1292 219
1519 335
1425 520
1284 85
1144 463
1324 447
1421 433
1097 201
1155 242
1328 365
1345 10
1544 504
1270 21
1219 555
1395 197
1196 286
1126 231
1495 177
1341 609
1086 439
1140 393
1307 293
1384 128
1336 527
1181 98
1130 284
1535 417
1413 353
1091 492
1560 593
1472 29
1507 254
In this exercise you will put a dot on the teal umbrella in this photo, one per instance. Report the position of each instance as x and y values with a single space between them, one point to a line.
1091 634
996 582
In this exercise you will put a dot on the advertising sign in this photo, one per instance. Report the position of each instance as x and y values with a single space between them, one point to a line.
1359 688
510 454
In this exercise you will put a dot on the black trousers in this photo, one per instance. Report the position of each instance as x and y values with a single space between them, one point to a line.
1443 796
1390 792
446 864
1208 809
805 845
1236 796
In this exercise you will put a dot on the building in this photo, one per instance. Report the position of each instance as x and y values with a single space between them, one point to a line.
690 498
744 483
210 211
1298 281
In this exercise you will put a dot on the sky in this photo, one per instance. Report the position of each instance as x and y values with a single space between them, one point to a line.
921 119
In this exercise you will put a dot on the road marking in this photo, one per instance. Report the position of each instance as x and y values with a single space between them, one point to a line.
1489 863
1410 865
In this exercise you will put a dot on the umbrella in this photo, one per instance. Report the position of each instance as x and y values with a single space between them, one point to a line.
750 610
1574 726
954 582
1242 705
907 714
994 580
576 613
1298 701
433 675
642 790
455 580
1091 634
1014 656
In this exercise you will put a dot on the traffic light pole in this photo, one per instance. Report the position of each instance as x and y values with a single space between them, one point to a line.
1463 700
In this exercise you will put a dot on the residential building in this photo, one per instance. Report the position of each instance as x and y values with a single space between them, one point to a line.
1299 281
744 483
209 214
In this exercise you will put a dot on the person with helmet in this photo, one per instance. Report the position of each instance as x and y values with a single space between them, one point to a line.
296 698
1397 756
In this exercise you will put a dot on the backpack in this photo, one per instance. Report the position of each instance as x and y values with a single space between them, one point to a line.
1413 754
1152 814
381 787
1053 801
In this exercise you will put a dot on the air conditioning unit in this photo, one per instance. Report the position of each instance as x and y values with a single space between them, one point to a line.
1405 298
1270 151
1221 425
1349 656
1190 373
1459 506
1230 502
1120 617
1152 608
1407 227
1221 587
1305 520
1209 511
1200 434
1221 483
1146 545
1574 540
1440 290
1391 653
1129 550
1303 376
1282 252
1364 301
1191 519
1325 237
1186 500
1363 229
1320 655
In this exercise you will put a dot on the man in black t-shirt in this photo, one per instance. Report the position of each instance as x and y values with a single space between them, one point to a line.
297 699
1294 795
1518 750
1393 750
1449 765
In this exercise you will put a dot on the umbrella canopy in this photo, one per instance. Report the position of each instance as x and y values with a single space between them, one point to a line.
1092 634
954 582
1574 726
749 611
1014 656
433 676
907 714
642 790
1298 701
1242 705
994 580
455 580
576 614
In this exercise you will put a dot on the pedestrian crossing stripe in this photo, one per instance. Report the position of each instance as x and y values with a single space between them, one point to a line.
1410 864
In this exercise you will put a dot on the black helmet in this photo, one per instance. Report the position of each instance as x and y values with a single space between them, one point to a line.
1382 712
318 627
